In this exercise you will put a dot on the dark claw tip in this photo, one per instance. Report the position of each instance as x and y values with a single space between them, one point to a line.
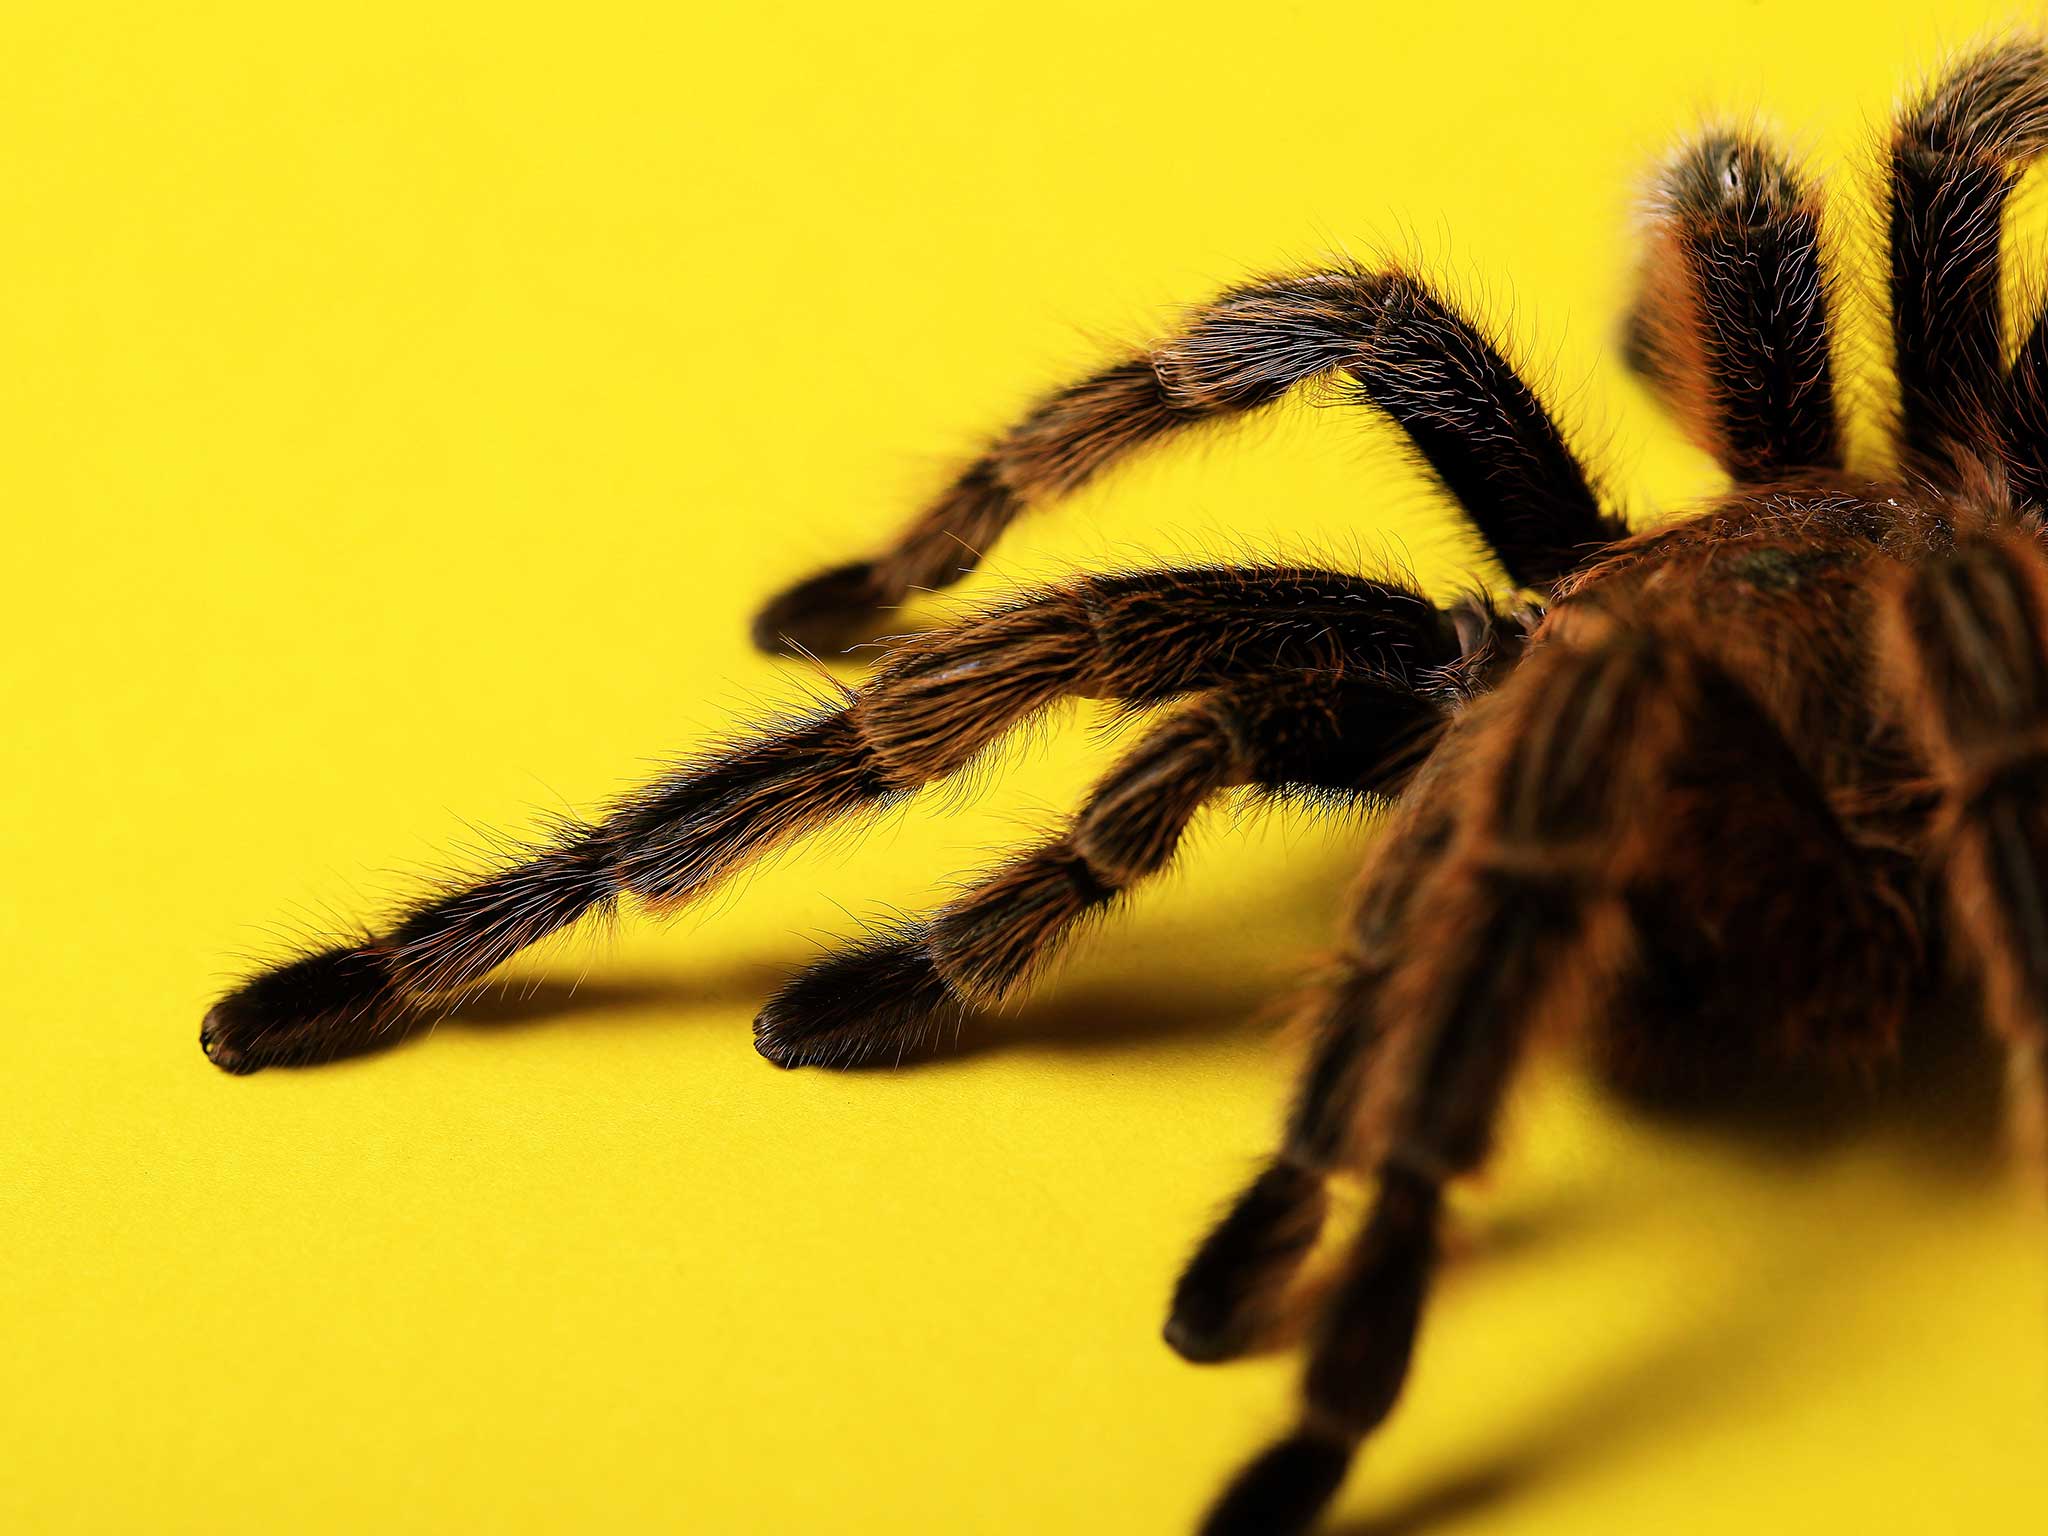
826 615
215 1033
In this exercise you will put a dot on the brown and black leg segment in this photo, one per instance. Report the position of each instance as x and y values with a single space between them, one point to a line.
936 705
1406 350
1233 1292
1730 324
1956 154
1323 732
1062 443
1523 919
1965 644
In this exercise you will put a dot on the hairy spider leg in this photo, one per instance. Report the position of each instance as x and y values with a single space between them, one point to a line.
1956 154
1517 916
936 705
1331 734
1233 1291
1730 324
1965 644
1401 348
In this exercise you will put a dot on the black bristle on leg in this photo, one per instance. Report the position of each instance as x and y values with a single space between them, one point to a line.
334 1003
1223 1294
1283 1489
880 1000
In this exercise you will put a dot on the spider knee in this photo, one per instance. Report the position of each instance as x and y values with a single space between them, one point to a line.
942 699
1133 823
1255 343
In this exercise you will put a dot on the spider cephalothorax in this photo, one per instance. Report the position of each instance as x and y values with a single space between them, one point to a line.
1807 727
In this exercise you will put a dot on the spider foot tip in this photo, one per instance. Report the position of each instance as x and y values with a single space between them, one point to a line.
1282 1490
856 1007
1203 1342
217 1033
314 1008
781 1037
825 615
775 1046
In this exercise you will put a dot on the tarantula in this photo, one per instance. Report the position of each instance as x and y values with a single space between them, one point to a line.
1756 786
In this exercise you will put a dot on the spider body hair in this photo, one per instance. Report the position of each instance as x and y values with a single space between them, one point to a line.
1756 787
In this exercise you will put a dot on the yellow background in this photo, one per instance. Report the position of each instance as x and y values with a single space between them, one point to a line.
401 414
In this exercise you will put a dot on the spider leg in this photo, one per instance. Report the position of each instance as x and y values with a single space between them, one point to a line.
1525 914
1405 350
1323 732
1232 1290
2026 415
1731 322
1965 645
1564 789
1956 154
937 703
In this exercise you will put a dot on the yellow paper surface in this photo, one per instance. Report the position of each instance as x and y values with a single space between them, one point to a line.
402 410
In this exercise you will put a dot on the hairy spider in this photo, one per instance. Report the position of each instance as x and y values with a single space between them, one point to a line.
1806 727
